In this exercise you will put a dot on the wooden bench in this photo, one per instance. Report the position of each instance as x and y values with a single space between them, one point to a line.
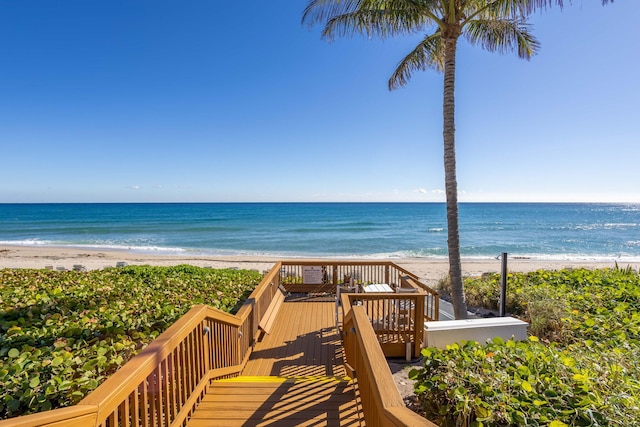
269 317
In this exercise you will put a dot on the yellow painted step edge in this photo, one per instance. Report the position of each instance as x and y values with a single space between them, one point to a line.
275 379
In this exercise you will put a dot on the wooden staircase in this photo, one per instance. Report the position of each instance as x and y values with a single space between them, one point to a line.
279 401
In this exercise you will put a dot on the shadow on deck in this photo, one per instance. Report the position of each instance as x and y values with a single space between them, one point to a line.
295 376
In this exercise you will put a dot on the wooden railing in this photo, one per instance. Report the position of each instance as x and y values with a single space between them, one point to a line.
361 271
255 307
396 320
432 301
381 401
292 274
78 415
161 386
165 381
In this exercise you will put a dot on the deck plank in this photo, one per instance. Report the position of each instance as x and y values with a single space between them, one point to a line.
303 342
295 376
294 401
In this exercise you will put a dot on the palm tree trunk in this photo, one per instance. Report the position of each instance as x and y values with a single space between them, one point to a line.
451 182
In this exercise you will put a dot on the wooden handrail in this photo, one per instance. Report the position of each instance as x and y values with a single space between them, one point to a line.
382 404
397 320
364 272
367 272
165 381
271 277
77 415
116 388
168 377
432 309
256 306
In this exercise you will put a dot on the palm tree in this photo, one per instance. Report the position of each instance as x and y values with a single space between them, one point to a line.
495 25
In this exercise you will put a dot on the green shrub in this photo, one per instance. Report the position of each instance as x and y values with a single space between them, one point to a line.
582 372
522 383
63 333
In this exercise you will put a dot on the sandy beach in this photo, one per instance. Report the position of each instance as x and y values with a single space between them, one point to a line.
429 270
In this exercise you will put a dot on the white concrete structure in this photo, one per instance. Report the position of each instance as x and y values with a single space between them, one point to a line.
441 333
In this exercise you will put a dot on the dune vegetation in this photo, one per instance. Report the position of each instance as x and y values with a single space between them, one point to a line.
63 333
578 368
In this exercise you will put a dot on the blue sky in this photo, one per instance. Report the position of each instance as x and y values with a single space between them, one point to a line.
115 101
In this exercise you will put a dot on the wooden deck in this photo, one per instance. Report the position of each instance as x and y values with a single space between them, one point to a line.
295 376
302 342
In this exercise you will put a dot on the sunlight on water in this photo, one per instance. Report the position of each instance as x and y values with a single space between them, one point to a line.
595 232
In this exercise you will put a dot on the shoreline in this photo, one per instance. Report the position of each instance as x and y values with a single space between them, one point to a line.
429 270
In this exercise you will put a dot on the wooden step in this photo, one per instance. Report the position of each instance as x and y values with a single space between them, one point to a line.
279 401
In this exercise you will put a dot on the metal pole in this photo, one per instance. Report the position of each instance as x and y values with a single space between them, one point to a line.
503 286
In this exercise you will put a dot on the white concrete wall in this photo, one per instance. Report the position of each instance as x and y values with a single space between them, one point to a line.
441 333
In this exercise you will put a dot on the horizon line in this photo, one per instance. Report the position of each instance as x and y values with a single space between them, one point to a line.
321 202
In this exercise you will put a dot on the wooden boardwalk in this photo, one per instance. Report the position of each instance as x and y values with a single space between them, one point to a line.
294 377
302 342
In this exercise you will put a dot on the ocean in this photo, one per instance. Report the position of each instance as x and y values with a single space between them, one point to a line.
545 231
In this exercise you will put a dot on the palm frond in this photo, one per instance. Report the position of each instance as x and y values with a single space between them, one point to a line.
504 9
380 24
322 10
530 6
492 9
318 11
372 18
429 53
502 35
560 3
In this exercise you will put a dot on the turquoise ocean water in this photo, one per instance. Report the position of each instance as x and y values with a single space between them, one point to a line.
346 230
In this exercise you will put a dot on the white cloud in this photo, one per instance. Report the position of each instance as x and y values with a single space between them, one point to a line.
420 190
134 187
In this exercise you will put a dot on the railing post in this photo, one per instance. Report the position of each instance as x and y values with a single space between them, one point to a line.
418 325
206 336
503 286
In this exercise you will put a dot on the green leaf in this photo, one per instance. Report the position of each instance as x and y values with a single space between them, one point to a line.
13 405
580 377
34 382
483 413
46 406
497 340
420 388
526 386
14 352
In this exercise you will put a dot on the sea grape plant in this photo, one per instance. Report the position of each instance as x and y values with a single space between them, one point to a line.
63 333
583 371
